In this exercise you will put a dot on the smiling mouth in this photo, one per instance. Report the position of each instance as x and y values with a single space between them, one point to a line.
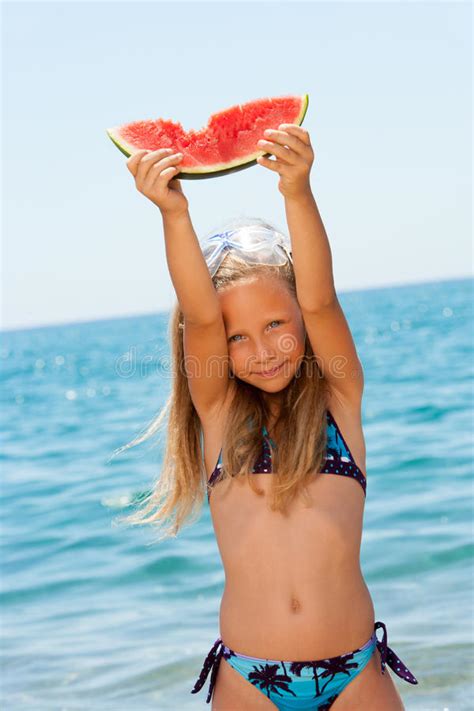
273 371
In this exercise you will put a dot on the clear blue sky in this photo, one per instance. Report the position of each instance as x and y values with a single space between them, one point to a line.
389 116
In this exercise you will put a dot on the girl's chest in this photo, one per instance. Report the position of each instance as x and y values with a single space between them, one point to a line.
327 531
353 440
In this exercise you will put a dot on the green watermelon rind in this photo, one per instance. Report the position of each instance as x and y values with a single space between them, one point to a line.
218 169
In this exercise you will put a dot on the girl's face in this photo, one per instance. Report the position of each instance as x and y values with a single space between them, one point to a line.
265 330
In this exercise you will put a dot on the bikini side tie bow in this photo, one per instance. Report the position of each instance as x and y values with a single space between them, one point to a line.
388 656
210 663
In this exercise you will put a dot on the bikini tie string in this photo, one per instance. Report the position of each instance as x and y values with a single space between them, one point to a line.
211 662
388 656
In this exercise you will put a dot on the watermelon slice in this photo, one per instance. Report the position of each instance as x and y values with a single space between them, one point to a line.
228 143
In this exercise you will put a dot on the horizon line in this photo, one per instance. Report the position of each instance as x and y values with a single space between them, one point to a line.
144 314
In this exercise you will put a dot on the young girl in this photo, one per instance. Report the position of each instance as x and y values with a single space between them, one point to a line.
267 389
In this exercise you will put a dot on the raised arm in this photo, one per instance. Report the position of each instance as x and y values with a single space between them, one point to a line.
188 271
326 325
205 343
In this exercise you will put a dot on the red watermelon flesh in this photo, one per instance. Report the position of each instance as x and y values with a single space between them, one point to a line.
228 142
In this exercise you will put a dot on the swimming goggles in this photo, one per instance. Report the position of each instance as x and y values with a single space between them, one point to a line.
252 243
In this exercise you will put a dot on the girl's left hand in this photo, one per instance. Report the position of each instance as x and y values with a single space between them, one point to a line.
294 157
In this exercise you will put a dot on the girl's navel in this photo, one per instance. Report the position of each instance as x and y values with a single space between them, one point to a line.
295 604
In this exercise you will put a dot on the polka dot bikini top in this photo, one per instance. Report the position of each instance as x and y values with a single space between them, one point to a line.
339 459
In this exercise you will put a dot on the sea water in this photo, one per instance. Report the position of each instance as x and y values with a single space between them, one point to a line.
95 618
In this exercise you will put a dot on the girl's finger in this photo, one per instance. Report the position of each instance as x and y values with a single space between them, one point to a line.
275 165
297 131
286 139
169 173
285 154
161 182
150 160
164 169
148 173
134 160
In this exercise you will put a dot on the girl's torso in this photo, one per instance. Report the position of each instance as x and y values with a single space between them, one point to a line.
294 588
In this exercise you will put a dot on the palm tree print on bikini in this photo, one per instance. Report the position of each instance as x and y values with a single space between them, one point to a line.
266 676
336 665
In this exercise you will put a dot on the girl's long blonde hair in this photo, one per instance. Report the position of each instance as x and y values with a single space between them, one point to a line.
178 492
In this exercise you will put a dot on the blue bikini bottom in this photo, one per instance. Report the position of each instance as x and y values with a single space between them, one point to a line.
302 686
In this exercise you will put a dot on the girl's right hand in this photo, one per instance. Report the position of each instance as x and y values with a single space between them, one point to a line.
154 172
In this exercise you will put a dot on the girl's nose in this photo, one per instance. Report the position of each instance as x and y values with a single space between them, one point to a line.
265 353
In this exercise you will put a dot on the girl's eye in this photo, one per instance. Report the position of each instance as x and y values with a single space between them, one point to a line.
231 339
